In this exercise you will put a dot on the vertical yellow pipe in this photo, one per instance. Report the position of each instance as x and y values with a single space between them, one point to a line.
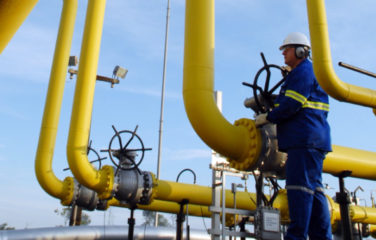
12 14
322 61
43 160
100 181
240 143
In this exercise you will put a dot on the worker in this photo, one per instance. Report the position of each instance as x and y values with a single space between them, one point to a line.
300 112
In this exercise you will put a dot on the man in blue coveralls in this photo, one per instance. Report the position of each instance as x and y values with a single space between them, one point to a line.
300 112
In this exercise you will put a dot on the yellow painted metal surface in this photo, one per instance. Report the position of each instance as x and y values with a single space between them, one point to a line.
167 207
361 163
100 181
322 61
200 195
43 160
12 14
235 142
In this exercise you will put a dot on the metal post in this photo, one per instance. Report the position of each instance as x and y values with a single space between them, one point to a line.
223 204
131 223
343 199
180 220
75 216
162 100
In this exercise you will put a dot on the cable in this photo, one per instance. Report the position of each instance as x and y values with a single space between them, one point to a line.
190 170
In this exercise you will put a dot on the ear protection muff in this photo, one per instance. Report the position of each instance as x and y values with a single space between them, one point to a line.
301 52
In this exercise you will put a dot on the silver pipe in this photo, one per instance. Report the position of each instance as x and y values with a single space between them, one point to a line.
162 100
97 233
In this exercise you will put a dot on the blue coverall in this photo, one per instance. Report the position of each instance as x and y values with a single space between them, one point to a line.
303 132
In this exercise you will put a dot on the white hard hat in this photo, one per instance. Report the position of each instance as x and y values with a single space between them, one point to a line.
295 38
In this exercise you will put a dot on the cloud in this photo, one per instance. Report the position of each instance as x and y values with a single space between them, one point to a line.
29 55
187 154
151 92
10 112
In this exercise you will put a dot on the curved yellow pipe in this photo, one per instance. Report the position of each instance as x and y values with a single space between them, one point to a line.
43 160
322 62
12 14
239 143
100 181
361 163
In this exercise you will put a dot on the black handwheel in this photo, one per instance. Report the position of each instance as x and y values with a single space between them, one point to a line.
130 155
266 103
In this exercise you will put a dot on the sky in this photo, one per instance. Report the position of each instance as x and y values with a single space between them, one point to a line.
133 37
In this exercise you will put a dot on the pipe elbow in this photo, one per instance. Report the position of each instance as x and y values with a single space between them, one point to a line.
329 80
101 181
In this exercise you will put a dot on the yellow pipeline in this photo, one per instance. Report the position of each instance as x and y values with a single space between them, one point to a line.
12 14
361 163
43 160
167 207
240 143
358 214
167 191
322 61
100 181
199 195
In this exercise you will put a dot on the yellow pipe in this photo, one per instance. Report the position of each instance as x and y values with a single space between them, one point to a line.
166 207
12 14
100 181
361 163
358 214
322 61
199 195
239 143
363 214
43 160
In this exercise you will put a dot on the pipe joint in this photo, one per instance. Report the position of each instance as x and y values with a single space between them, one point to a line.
107 182
254 142
85 197
68 191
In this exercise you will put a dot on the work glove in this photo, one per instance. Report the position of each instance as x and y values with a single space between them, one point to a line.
261 119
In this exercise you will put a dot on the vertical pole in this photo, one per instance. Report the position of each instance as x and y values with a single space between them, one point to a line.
216 180
343 199
162 100
131 223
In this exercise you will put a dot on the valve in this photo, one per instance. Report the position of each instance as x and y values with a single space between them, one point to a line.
271 162
262 100
127 154
131 184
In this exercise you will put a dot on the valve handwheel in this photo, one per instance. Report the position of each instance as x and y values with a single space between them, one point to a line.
130 155
266 103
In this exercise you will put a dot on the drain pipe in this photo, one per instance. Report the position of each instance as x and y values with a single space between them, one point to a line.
12 14
240 142
100 181
43 160
322 61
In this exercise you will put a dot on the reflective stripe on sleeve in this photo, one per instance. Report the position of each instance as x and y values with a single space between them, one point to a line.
296 96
